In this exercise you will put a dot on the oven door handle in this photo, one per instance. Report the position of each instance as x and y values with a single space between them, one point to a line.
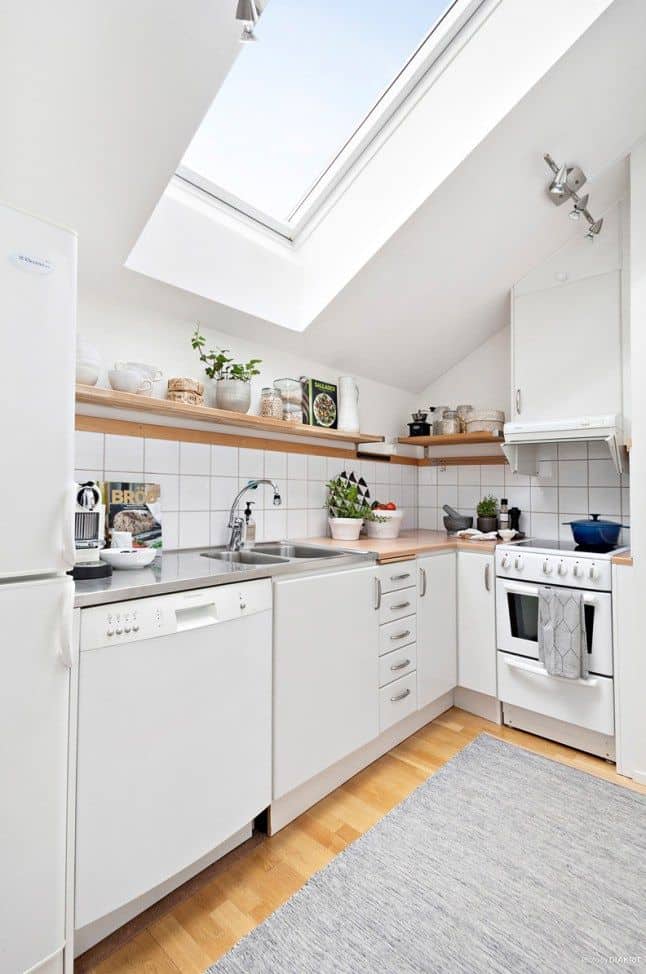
521 664
523 588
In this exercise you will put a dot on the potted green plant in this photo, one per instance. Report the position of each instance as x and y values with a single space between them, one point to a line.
347 509
232 379
487 511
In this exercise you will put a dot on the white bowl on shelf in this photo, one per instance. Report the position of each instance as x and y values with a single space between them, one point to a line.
128 559
388 529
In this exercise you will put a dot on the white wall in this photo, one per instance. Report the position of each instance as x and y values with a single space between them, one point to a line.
126 330
482 378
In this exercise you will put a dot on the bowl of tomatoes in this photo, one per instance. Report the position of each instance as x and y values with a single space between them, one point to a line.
387 523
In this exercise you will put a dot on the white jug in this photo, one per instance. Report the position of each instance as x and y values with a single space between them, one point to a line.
348 420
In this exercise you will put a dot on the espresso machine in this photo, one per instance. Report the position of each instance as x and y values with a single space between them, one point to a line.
89 532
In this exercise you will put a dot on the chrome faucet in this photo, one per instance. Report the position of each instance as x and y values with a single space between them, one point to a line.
236 523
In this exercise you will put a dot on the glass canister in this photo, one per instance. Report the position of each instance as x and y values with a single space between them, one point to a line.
435 418
291 396
449 424
271 403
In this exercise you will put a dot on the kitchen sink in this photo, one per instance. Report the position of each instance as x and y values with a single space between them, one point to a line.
286 550
245 557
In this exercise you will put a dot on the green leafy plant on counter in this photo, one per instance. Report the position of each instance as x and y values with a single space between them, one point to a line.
219 365
488 506
344 500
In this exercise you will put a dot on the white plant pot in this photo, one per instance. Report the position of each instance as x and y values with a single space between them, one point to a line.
345 528
233 394
387 529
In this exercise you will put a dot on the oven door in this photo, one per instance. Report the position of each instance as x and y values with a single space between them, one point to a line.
517 623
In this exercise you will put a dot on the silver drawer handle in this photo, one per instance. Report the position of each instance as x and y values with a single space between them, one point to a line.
400 696
399 578
400 605
401 635
400 666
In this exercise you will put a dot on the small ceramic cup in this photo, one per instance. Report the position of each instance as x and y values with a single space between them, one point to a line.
129 380
121 539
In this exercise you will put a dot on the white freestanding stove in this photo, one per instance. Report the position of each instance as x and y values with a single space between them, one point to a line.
580 713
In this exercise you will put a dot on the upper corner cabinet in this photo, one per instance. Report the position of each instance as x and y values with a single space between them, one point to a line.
566 334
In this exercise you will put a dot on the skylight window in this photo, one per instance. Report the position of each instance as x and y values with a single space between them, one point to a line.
322 74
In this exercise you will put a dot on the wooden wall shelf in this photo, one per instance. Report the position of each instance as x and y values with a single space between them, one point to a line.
456 439
95 396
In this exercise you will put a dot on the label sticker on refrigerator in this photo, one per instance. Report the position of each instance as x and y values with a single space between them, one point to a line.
36 265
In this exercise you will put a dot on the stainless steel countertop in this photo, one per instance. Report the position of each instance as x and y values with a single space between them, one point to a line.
178 571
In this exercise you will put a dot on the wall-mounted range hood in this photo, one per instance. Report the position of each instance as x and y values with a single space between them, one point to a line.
523 439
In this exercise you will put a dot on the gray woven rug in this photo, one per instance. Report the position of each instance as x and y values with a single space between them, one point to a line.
503 861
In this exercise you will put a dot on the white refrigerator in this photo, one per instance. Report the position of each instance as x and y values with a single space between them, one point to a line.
37 352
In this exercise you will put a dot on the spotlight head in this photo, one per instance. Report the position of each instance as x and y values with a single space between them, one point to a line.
558 187
574 214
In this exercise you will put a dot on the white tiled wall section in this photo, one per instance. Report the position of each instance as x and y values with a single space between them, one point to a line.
199 482
576 480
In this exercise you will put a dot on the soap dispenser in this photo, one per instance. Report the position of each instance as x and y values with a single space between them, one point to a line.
250 524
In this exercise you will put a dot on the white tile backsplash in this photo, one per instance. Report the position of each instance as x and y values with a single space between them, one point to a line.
193 529
605 501
89 450
251 464
124 453
193 493
162 456
224 461
275 465
573 451
196 506
573 499
195 458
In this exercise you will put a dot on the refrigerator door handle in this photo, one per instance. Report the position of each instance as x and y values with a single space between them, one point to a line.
69 540
66 645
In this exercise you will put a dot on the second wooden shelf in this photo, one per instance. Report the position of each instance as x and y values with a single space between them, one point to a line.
455 439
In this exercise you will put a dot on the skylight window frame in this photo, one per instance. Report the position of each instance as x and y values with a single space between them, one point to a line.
389 103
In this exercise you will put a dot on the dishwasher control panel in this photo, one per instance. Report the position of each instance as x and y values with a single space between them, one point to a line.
162 615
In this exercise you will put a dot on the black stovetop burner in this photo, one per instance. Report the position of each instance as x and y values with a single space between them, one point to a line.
568 545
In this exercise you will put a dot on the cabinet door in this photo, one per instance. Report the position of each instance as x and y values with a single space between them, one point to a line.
551 332
436 627
476 622
326 675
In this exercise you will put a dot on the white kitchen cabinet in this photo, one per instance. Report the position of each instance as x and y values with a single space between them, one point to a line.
476 622
436 627
566 350
326 671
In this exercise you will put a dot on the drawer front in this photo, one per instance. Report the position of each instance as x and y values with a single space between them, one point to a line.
399 663
394 635
586 703
396 605
401 574
397 700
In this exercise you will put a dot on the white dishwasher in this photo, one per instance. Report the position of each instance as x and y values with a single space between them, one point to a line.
174 736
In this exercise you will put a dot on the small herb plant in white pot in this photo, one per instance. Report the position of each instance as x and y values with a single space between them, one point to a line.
233 379
347 508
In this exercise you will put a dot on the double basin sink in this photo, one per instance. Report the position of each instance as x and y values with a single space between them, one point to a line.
271 553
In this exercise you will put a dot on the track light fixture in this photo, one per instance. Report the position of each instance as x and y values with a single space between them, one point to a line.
565 185
249 12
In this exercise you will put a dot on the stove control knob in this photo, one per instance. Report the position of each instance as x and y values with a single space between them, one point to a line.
135 622
562 569
577 571
547 568
518 563
126 624
594 572
506 561
119 627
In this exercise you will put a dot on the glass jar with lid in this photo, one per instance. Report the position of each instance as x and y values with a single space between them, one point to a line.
271 403
291 397
450 423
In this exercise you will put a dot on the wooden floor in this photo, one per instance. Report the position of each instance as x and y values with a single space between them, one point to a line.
243 889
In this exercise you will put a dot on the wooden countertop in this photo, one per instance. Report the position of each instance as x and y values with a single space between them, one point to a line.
409 544
624 559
